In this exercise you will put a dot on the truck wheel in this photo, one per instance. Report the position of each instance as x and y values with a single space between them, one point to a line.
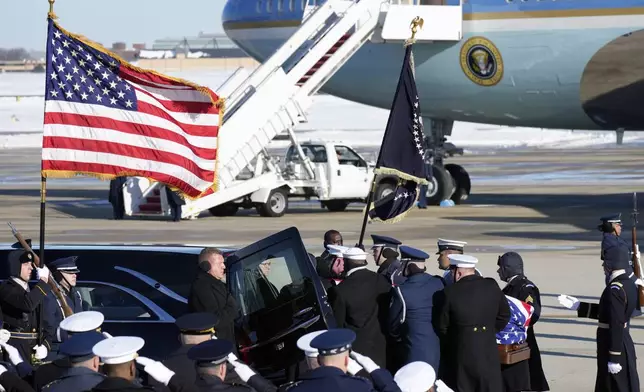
228 209
383 189
462 182
336 205
276 205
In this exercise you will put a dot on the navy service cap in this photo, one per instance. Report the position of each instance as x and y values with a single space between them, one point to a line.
381 240
409 253
79 347
119 349
66 264
201 323
89 320
444 244
614 218
211 352
334 341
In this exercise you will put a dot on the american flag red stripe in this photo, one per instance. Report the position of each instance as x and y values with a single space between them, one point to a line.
106 118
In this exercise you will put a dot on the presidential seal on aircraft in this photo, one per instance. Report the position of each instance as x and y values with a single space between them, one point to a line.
481 61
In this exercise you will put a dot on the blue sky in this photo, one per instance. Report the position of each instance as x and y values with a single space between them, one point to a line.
23 24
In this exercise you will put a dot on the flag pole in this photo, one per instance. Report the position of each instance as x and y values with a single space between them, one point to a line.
415 24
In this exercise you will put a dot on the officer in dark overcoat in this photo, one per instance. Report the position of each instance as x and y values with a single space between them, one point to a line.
64 271
175 201
525 375
358 303
412 310
83 373
385 254
474 310
19 303
116 197
616 358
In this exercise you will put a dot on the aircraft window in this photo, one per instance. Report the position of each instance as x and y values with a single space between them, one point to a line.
269 6
280 5
115 304
302 4
259 5
291 5
347 156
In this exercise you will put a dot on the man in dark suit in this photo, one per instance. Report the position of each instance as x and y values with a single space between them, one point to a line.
209 293
358 303
116 197
474 310
175 202
525 375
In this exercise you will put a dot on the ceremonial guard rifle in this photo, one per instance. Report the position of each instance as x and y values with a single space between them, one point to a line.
637 266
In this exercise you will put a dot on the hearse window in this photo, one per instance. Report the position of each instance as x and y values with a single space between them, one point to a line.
268 279
115 303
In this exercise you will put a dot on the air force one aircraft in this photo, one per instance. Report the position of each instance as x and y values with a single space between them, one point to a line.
563 64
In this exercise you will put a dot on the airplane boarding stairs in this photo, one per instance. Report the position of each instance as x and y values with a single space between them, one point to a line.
272 100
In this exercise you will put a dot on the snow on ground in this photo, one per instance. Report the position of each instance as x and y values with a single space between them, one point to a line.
330 118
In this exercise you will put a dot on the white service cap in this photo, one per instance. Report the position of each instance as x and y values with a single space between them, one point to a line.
355 254
304 343
119 349
416 376
82 322
336 250
462 261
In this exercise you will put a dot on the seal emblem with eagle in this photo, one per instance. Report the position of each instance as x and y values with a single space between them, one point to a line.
481 61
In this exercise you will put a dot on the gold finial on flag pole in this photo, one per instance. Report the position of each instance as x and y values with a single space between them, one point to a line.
51 13
416 23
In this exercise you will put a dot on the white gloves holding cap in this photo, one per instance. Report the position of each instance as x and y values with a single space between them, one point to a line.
43 273
367 363
243 371
156 370
40 352
14 355
568 301
614 368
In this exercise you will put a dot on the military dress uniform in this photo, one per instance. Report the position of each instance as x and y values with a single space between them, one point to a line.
614 342
387 249
412 311
53 309
78 349
458 247
525 375
611 239
475 309
19 304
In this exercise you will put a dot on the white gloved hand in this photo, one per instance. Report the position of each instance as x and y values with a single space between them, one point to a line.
367 363
441 387
232 357
614 368
40 352
14 355
43 273
2 369
243 371
156 370
354 367
568 301
107 335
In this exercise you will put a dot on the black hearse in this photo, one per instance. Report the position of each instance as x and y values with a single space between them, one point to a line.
141 289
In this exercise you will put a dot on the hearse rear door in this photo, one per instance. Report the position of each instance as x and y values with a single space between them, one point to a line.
280 298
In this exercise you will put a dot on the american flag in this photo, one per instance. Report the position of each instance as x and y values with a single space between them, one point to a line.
107 118
517 328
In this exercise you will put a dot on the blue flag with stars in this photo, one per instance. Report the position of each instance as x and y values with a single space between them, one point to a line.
402 151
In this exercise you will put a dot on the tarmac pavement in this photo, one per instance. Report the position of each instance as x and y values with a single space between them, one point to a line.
544 204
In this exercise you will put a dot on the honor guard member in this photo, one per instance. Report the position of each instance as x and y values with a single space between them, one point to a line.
446 248
611 227
525 375
119 355
64 272
361 303
333 349
331 268
211 358
616 358
77 323
19 304
385 254
475 309
83 374
412 308
194 328
304 344
419 377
